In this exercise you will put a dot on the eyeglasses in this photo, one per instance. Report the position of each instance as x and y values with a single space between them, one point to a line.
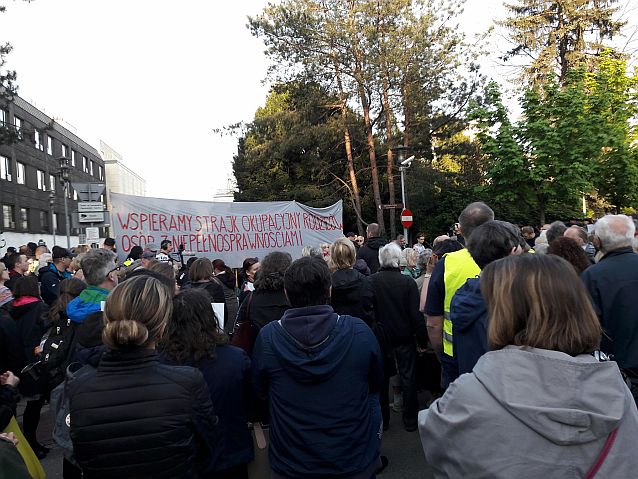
116 269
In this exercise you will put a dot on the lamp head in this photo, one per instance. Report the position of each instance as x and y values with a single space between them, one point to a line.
408 161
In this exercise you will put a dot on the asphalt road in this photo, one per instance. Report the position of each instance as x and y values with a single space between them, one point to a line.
403 449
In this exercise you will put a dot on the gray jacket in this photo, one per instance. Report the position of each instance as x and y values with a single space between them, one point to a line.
532 413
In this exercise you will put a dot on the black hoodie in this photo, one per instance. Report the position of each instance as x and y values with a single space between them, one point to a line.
352 294
369 252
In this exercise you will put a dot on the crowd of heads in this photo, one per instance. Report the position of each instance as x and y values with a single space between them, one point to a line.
529 280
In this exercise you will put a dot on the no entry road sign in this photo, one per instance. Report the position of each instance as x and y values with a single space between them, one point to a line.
406 218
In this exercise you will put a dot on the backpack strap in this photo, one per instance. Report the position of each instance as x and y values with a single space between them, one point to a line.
603 455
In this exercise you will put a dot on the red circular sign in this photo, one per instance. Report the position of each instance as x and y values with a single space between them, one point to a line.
406 218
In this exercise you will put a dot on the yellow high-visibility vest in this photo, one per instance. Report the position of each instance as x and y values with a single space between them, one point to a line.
459 267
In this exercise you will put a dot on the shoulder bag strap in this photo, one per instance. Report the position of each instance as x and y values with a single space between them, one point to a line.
603 455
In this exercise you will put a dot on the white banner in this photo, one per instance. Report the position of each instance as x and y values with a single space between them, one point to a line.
230 231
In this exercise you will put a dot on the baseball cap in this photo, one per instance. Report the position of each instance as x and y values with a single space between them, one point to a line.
59 252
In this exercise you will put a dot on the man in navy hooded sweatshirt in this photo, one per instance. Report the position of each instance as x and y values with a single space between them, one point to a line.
321 374
489 242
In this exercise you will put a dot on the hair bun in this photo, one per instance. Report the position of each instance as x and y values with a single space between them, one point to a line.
124 334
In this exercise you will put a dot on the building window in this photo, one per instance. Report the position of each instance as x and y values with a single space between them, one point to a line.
7 217
38 140
17 123
24 219
75 195
91 167
85 166
5 168
49 145
20 173
44 220
73 158
100 171
64 150
51 183
42 183
55 221
3 117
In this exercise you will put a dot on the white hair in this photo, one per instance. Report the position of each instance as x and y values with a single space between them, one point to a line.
615 231
390 256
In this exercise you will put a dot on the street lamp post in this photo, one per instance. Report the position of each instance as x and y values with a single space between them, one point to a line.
401 153
64 180
52 207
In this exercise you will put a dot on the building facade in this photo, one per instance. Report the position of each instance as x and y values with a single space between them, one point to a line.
119 177
31 193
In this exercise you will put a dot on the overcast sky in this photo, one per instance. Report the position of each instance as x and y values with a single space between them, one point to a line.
154 78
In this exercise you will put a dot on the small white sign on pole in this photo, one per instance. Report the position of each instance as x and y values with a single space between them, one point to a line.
90 206
95 217
92 234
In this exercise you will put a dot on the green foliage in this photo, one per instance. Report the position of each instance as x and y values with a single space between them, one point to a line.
293 149
7 89
571 139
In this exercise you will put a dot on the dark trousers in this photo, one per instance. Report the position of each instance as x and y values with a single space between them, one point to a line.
31 420
449 370
405 355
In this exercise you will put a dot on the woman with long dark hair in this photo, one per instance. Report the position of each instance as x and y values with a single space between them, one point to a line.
193 338
571 252
268 301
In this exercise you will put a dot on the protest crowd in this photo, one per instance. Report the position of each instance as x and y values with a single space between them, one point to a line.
525 340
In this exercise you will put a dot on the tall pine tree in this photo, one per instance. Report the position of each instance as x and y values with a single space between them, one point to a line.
560 34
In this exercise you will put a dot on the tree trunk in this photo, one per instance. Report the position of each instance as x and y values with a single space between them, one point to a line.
358 76
406 114
541 206
346 134
372 155
388 129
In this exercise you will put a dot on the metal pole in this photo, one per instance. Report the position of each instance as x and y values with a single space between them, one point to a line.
53 226
52 205
66 215
402 170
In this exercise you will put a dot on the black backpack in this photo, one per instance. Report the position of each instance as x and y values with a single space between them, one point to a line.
56 352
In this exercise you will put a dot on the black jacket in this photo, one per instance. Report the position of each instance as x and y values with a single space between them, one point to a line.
369 252
216 292
263 307
50 279
136 418
397 307
31 321
229 383
613 286
11 356
227 282
352 294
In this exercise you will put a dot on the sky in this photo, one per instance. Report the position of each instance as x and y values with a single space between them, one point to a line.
153 79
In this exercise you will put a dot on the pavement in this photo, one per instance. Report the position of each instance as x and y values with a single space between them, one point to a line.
403 449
